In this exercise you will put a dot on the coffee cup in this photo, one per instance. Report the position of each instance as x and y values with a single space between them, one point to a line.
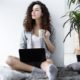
41 33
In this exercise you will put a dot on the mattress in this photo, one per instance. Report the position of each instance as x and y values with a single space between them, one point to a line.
63 74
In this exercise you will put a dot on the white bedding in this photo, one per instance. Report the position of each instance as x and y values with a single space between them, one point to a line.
7 73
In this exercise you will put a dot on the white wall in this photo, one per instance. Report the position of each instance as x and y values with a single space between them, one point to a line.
69 59
12 13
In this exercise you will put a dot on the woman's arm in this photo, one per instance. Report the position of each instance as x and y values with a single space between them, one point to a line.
49 45
23 41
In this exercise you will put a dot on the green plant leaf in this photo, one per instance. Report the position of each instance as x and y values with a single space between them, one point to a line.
74 19
66 36
77 7
65 23
71 2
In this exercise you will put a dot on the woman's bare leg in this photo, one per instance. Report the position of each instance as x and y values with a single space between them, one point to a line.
50 69
44 65
16 64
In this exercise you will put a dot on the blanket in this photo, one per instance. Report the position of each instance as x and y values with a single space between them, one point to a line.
10 74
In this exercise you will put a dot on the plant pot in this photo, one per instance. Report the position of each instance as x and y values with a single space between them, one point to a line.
77 51
78 58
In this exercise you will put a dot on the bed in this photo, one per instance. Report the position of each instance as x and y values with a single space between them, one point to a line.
63 74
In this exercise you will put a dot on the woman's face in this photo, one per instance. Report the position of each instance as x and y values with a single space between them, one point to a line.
36 12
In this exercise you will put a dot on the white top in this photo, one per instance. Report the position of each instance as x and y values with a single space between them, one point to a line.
36 41
26 41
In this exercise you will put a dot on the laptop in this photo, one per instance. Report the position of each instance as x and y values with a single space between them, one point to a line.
34 55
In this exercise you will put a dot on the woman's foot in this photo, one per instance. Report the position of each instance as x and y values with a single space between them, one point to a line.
38 73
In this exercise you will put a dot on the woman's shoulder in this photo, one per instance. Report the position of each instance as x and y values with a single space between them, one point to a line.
26 32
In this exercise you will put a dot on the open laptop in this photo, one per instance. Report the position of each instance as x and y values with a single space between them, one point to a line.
35 55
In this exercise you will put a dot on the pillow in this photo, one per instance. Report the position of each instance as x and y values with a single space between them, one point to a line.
74 66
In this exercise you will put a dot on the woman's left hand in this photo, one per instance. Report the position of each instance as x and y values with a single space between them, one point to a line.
46 35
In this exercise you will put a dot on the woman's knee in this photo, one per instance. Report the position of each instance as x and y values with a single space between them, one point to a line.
45 64
50 61
11 60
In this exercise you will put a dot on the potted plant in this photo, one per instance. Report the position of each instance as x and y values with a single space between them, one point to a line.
73 2
74 20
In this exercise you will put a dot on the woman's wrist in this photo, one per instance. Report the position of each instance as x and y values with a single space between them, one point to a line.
50 46
47 40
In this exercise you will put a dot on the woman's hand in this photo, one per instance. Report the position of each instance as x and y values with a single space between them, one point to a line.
46 35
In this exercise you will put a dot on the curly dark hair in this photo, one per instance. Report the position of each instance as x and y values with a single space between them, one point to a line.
29 23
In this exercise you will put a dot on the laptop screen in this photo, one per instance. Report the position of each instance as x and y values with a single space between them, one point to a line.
32 55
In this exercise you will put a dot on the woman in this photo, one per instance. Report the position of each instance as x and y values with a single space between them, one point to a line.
37 18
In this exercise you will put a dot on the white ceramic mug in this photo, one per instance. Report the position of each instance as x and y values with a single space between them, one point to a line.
41 33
